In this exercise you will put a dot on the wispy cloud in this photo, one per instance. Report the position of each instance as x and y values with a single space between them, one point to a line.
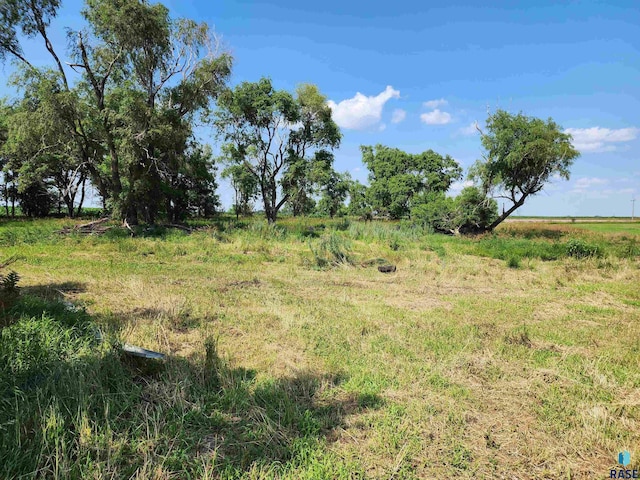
598 139
362 112
436 117
471 129
433 104
398 115
584 184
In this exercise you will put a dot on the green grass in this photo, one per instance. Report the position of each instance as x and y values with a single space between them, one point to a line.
291 356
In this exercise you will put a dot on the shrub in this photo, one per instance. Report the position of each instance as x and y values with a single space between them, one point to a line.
578 248
513 262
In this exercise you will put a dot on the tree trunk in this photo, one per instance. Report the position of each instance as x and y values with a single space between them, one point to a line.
6 199
504 215
82 191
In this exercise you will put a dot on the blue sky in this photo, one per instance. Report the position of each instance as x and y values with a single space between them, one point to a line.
417 75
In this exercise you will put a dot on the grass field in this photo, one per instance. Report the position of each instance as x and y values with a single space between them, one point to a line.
514 355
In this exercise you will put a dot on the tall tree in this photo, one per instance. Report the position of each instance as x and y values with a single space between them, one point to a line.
396 177
521 155
145 76
277 137
38 146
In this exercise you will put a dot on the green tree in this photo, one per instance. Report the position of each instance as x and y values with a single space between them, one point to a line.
38 146
334 192
278 137
396 177
144 78
358 203
521 155
245 187
470 212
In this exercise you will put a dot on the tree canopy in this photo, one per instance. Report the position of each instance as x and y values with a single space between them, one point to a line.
282 140
127 120
521 156
396 178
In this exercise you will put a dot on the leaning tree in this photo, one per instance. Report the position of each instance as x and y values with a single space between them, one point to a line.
522 154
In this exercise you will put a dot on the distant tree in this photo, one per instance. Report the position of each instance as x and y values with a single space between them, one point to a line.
189 186
277 137
521 155
333 193
469 212
396 177
358 204
8 190
245 187
38 146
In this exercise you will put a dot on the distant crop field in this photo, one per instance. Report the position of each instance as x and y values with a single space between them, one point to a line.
512 355
610 227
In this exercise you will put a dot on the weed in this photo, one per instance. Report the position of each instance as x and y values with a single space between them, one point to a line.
513 262
332 249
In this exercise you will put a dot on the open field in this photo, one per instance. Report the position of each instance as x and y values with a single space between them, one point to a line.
513 355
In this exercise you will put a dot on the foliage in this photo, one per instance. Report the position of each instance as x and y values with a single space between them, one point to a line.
358 203
396 178
9 289
278 138
126 121
35 199
469 212
334 192
579 248
245 187
522 154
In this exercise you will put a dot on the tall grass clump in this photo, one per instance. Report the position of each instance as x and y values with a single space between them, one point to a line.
331 250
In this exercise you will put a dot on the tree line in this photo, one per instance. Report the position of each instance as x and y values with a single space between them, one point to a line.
118 109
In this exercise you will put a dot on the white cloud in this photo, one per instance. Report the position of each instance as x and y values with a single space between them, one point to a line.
584 184
398 115
597 139
436 117
433 104
361 112
471 129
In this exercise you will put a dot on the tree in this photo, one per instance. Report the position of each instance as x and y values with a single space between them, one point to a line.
469 212
144 78
396 177
245 187
38 146
333 193
521 155
35 198
358 204
277 137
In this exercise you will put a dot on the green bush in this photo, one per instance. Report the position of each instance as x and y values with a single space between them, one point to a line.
513 262
578 248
